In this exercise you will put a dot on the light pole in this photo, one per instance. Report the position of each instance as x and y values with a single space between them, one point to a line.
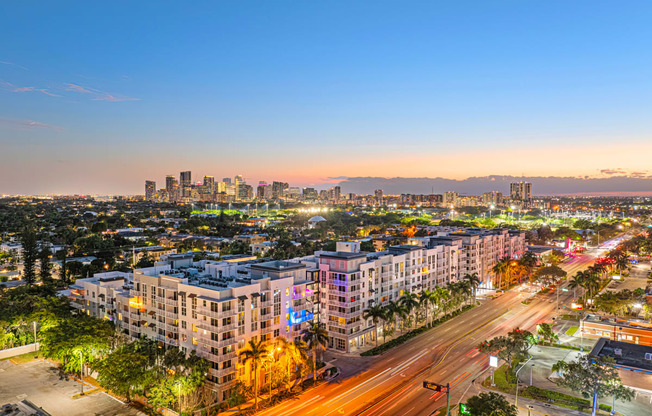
613 405
516 400
81 371
35 344
531 365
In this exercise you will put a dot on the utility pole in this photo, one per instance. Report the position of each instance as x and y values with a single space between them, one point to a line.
81 371
35 343
448 399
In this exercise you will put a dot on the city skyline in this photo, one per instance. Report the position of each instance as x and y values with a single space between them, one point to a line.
515 89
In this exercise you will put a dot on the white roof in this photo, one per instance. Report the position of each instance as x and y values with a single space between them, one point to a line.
317 218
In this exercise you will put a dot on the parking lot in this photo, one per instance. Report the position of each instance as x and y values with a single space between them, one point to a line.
40 383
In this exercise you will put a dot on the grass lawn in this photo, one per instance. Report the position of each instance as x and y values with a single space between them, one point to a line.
23 358
571 331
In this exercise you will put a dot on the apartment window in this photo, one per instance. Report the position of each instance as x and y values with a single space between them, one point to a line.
183 324
277 332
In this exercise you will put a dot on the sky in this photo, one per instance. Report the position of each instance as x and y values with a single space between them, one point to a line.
97 97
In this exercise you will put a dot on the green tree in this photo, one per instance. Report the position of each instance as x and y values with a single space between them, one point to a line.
549 274
410 301
121 370
515 345
546 332
473 281
592 377
315 337
30 254
490 404
254 353
376 314
45 267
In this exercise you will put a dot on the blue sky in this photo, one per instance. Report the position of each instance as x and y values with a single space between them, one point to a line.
97 97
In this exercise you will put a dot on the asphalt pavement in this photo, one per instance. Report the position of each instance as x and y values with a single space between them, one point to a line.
392 384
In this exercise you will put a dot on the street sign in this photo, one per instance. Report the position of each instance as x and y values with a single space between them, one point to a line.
464 410
564 290
493 361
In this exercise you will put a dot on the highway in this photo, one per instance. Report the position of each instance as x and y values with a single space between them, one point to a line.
391 384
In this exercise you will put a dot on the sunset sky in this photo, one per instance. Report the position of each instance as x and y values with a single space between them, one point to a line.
96 97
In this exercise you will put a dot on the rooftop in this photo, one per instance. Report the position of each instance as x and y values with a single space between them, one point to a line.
625 353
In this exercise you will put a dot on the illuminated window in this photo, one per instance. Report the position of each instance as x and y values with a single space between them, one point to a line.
194 341
194 328
119 316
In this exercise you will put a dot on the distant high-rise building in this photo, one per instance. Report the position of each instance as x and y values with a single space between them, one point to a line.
520 192
310 193
335 193
260 191
279 188
172 188
238 182
185 178
209 184
150 190
450 198
378 194
226 180
494 198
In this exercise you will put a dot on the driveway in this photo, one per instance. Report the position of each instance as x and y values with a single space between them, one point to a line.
40 383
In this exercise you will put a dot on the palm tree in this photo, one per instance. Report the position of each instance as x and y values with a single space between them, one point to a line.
500 269
254 353
576 281
397 311
426 298
282 346
375 313
474 281
298 353
410 301
315 337
440 296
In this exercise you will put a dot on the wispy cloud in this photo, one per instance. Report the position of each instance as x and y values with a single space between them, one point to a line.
617 171
99 95
12 64
34 89
27 124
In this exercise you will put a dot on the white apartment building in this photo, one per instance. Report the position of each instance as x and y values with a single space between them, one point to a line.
215 307
211 308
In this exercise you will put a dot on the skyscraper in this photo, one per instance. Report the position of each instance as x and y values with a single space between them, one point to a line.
172 188
209 184
185 178
520 192
150 190
378 193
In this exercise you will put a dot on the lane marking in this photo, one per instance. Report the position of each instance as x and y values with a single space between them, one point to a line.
356 387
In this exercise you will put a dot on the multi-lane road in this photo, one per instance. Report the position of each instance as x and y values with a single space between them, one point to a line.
392 384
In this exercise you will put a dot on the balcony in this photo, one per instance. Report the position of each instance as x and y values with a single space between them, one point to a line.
212 314
172 302
222 372
267 330
266 304
228 356
226 342
172 315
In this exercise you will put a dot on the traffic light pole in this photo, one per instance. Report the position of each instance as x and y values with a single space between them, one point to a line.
448 399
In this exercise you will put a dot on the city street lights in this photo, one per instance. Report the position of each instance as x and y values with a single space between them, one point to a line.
81 371
35 344
531 365
516 400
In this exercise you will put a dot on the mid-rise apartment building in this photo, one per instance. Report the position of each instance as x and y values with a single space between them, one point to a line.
213 307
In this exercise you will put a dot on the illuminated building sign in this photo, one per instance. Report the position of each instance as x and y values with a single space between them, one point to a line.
300 317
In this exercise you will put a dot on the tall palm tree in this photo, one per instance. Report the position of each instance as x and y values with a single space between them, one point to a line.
298 354
254 353
282 346
474 281
375 313
426 299
410 301
500 269
576 281
315 337
397 311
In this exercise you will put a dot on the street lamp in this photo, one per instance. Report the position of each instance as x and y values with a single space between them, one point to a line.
531 365
516 400
35 343
81 371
